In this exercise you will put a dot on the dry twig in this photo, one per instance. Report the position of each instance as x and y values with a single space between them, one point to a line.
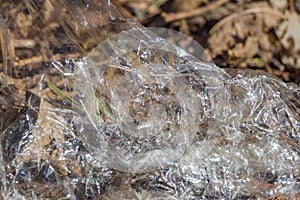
184 15
42 58
246 12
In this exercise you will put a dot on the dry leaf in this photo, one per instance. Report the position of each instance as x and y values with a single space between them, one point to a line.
245 51
238 33
24 22
279 4
288 32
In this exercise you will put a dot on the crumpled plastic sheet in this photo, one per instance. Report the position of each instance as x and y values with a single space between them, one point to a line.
147 120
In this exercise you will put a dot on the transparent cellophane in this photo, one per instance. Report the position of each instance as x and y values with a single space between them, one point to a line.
119 112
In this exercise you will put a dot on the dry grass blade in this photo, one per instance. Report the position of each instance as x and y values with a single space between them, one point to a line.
104 107
60 93
7 47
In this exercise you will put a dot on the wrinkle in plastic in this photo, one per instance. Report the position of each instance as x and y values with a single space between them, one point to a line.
146 119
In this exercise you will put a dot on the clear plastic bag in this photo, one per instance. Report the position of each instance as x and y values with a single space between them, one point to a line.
139 97
122 113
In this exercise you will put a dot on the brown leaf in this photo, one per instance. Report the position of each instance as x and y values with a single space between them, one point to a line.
251 27
245 51
24 23
270 21
264 42
288 32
